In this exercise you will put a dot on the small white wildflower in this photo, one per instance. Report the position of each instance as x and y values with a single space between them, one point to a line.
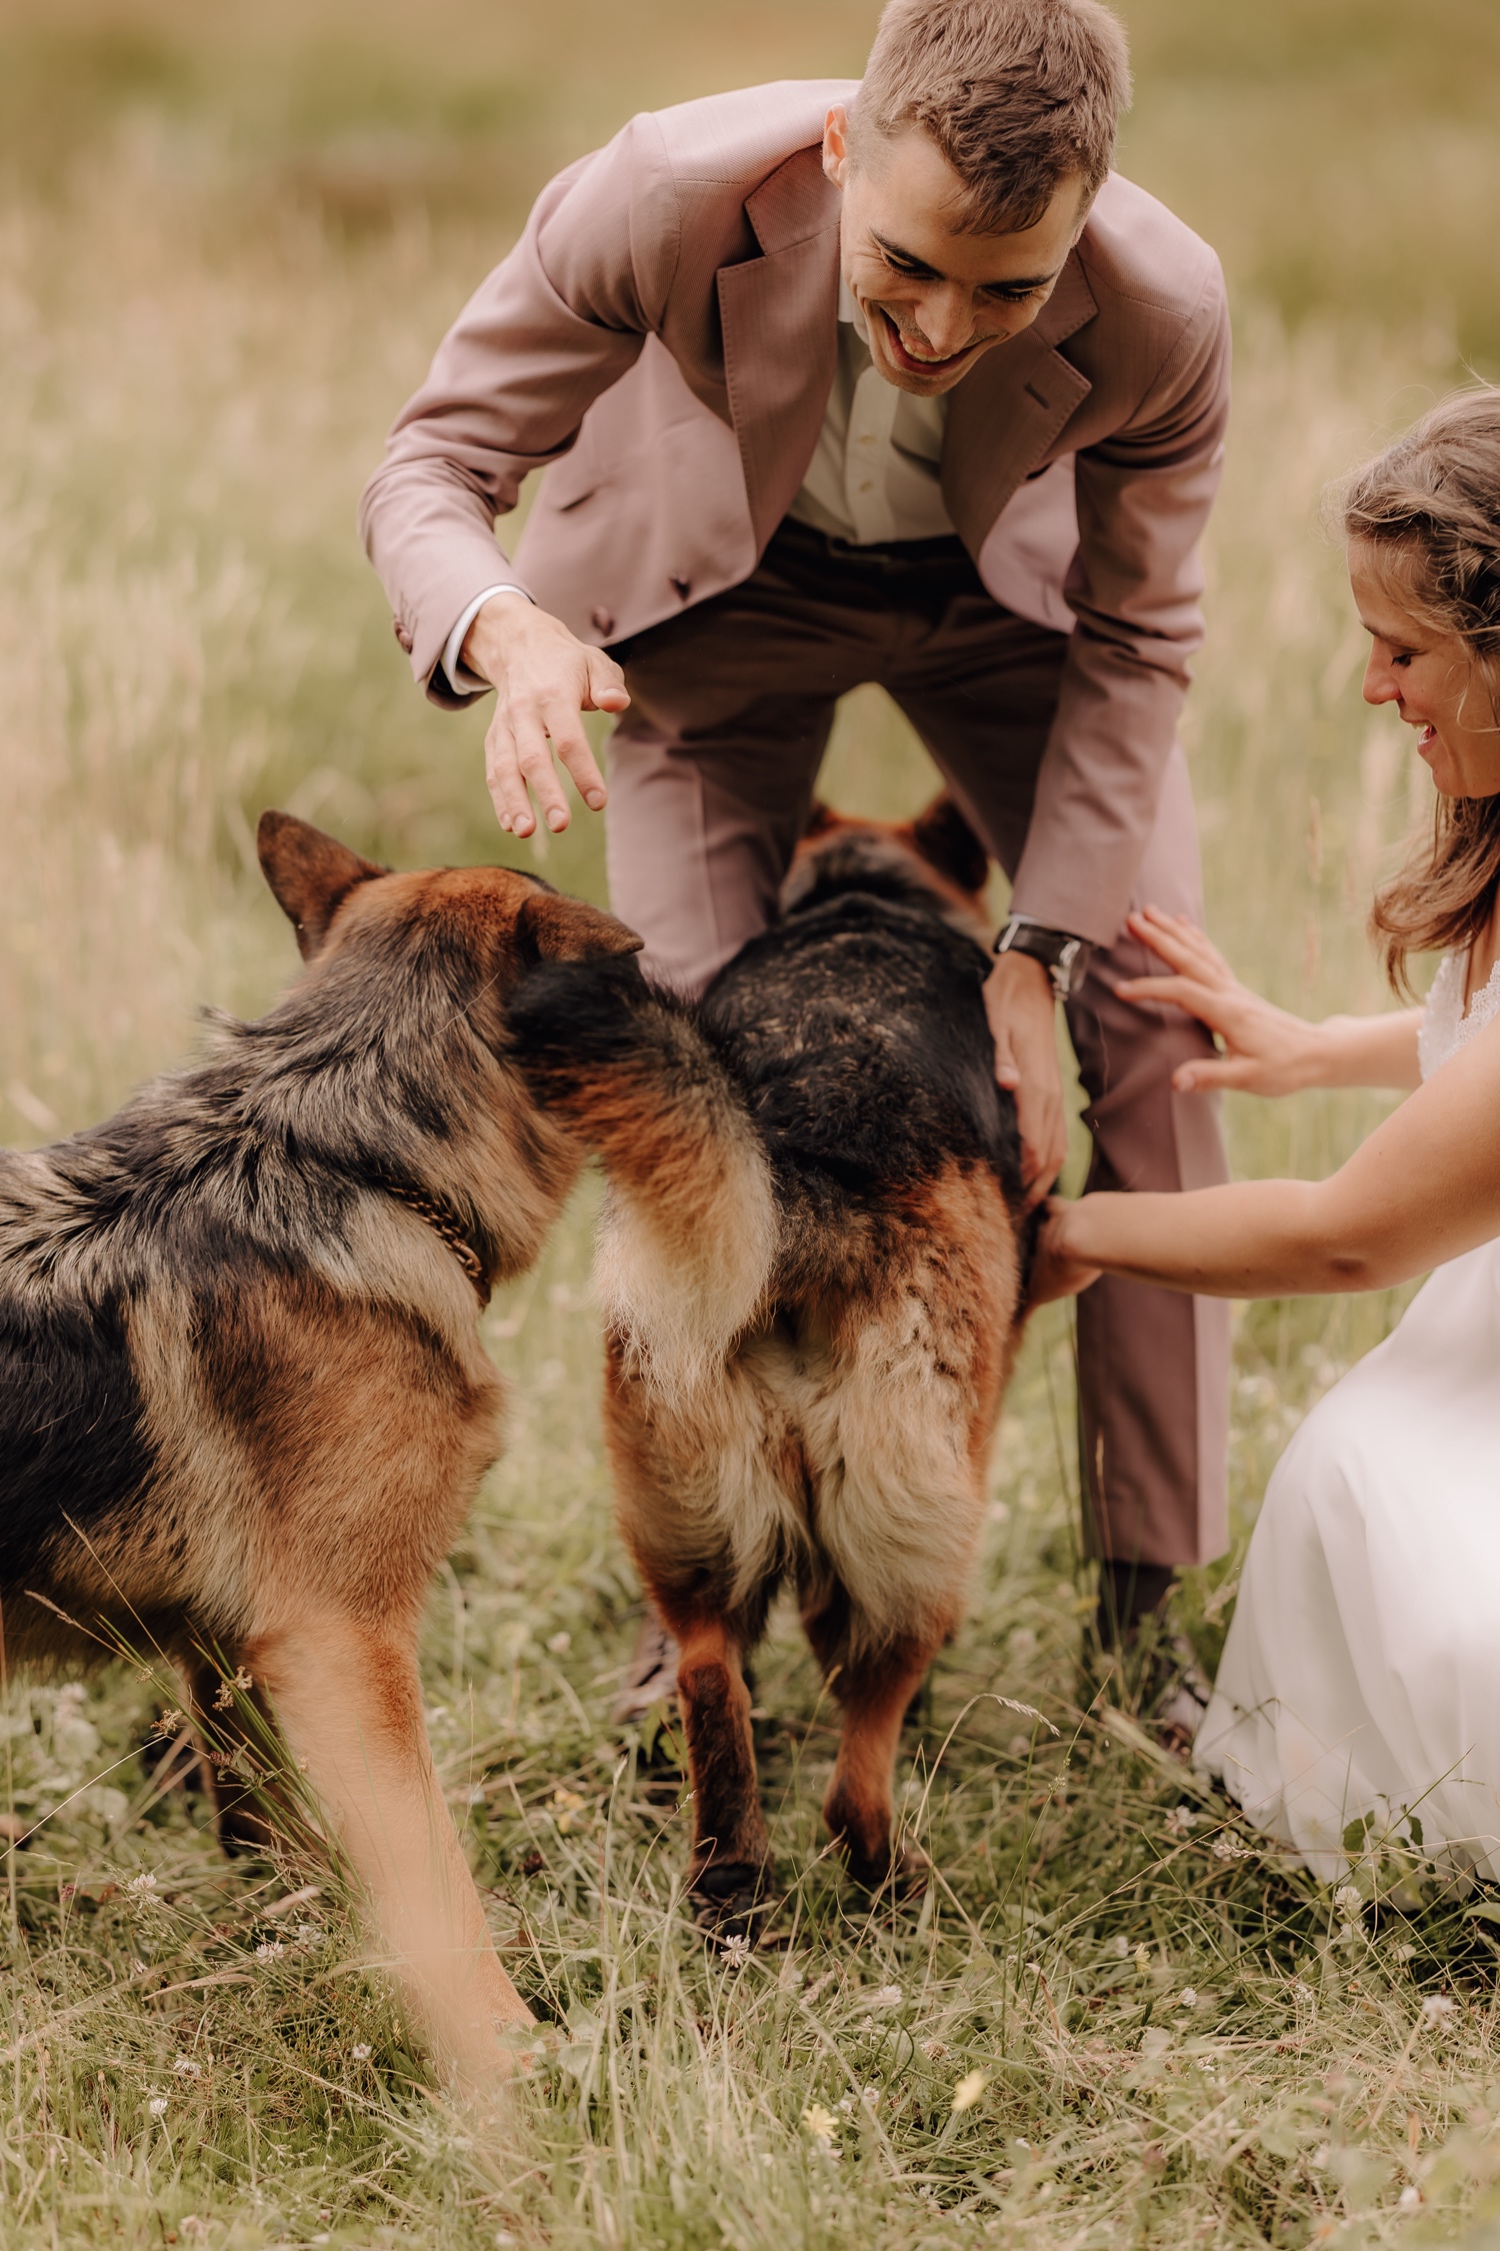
736 1950
885 1997
157 2106
870 2097
361 2051
560 1644
969 2090
1348 1902
1143 1958
1303 1995
1119 1947
934 2050
1187 1998
846 2104
820 2123
1409 2198
308 1934
185 2068
1181 1821
1229 1847
269 1950
142 1886
1437 2008
1404 1953
1320 2157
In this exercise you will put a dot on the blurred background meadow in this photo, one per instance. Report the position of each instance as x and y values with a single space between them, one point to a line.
230 237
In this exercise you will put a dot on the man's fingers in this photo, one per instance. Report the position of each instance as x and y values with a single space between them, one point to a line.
506 786
1007 1071
534 756
606 689
573 748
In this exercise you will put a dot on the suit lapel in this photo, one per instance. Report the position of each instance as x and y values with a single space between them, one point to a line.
780 321
1005 414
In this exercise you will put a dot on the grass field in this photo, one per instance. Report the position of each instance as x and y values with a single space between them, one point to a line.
228 242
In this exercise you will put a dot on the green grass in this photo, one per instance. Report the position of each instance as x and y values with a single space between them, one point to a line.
228 242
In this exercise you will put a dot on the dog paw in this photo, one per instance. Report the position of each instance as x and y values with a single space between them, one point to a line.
898 1876
729 1890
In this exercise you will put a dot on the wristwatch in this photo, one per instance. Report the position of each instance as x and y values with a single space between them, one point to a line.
1064 958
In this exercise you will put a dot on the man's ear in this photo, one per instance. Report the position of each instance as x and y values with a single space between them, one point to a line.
552 927
947 843
310 874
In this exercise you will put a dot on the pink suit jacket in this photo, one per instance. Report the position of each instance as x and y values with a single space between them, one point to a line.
664 334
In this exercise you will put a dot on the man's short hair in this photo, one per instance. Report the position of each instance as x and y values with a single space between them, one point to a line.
1019 95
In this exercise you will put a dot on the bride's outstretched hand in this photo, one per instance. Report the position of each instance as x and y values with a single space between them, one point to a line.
1265 1051
1056 1271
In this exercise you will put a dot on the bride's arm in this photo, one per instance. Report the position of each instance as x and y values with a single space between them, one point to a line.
1266 1050
1424 1188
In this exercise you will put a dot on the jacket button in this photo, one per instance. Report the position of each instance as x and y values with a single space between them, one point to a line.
402 634
681 587
603 621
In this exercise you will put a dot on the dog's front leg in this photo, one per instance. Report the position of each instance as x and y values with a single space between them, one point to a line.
348 1701
731 1850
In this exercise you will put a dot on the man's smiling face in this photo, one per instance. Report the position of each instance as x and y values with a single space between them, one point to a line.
934 299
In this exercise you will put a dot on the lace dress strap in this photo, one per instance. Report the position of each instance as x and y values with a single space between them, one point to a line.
1445 1028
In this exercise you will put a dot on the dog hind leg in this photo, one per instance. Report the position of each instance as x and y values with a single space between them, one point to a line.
874 1691
731 1851
349 1704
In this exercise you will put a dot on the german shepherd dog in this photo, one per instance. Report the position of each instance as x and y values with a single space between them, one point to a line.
811 1265
243 1403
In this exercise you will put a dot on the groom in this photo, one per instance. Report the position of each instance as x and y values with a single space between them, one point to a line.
891 381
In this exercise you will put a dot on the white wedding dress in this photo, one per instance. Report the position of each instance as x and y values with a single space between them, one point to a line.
1361 1676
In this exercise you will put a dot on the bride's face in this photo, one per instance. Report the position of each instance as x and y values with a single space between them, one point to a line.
1432 680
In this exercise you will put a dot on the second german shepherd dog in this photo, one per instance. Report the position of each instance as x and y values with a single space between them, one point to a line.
812 1271
243 1401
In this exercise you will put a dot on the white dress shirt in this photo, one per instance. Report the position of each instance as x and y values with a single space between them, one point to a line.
876 472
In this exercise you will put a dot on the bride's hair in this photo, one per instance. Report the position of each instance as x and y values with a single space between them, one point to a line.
1430 506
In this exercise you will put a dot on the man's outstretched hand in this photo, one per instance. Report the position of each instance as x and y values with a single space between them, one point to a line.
543 679
1019 1002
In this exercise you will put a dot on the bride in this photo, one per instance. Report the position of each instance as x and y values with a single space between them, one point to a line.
1361 1679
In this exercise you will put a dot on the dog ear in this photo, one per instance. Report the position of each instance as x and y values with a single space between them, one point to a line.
947 843
310 874
553 927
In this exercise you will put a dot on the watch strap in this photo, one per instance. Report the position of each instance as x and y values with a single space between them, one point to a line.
1063 956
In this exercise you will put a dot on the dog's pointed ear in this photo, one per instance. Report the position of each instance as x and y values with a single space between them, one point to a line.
947 843
310 874
553 927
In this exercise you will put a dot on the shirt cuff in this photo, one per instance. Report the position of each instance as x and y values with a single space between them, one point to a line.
459 677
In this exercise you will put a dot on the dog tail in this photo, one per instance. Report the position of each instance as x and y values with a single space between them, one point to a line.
690 1230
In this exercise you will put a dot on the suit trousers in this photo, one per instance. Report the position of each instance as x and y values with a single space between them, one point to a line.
711 778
